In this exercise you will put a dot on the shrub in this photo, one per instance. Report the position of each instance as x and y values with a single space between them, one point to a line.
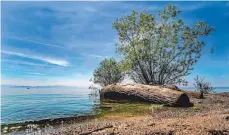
202 86
108 73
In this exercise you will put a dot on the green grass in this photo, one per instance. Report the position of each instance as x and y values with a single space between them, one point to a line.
156 107
196 108
126 109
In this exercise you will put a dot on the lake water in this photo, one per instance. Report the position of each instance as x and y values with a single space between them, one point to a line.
20 104
215 89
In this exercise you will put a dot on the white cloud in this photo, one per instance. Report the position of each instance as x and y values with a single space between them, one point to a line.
37 74
44 59
36 42
20 62
56 62
97 56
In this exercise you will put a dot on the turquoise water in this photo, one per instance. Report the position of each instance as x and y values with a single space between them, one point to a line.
22 104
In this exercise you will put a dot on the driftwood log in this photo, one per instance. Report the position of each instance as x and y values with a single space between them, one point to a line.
146 93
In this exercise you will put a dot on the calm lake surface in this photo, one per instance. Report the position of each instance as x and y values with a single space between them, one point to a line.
20 104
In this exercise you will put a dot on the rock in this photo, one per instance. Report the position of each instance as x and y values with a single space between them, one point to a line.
217 132
151 124
146 93
227 118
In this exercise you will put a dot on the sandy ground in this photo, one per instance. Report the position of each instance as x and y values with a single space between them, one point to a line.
209 116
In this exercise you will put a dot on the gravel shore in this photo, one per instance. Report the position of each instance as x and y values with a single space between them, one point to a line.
208 116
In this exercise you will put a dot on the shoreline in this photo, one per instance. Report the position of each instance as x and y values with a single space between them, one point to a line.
38 124
208 116
217 104
46 123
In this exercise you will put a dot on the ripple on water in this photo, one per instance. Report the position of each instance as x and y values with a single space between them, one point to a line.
21 108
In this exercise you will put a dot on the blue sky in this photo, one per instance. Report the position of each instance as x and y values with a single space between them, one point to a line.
61 43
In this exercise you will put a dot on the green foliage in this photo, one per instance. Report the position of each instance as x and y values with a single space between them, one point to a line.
156 107
202 86
108 73
159 50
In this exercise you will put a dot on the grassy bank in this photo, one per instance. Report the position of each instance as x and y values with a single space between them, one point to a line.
115 110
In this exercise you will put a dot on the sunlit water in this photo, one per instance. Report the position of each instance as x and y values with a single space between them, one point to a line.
22 104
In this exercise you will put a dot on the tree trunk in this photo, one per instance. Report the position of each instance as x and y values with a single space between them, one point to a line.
146 93
201 95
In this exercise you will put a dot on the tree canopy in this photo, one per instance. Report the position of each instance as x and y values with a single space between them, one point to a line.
159 49
108 73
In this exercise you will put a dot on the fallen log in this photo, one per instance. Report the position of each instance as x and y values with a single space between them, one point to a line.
146 93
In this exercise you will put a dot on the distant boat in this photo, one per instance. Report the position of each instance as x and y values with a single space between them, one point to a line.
28 88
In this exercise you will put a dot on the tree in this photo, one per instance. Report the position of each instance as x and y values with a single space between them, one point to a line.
202 86
108 73
159 50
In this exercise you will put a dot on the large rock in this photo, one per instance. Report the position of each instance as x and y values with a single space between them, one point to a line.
146 93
